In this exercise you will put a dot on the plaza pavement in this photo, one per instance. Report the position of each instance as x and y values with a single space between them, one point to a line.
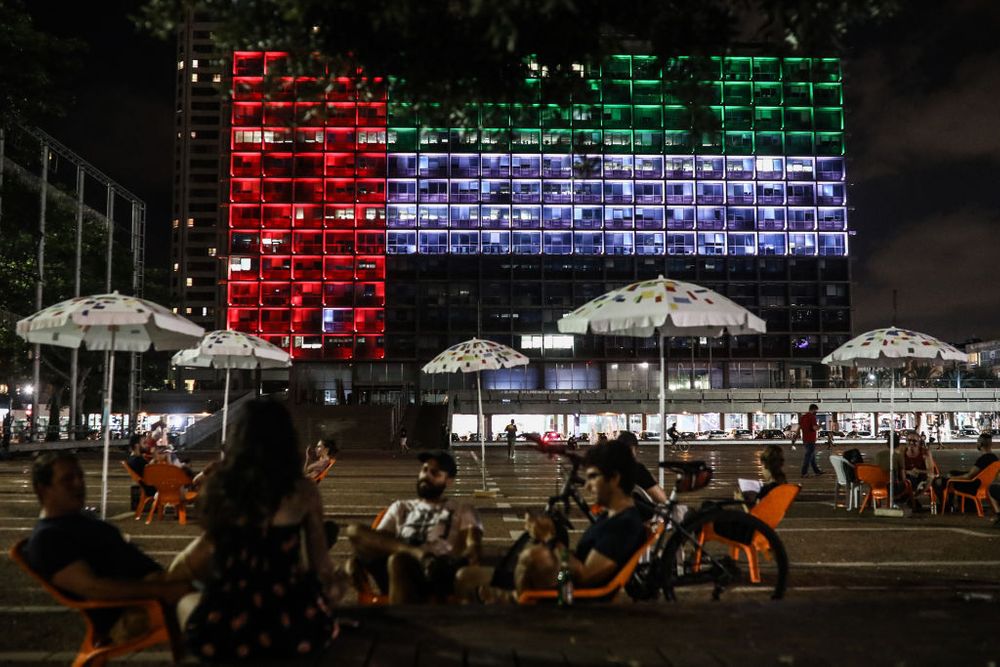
863 589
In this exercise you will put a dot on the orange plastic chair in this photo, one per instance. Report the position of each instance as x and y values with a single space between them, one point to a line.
89 653
143 496
771 510
617 582
877 481
323 473
170 482
985 477
366 592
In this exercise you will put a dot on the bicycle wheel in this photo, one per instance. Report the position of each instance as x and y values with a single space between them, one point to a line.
684 445
720 562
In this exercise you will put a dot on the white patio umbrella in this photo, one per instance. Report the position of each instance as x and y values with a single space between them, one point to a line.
226 349
893 347
666 308
473 356
112 322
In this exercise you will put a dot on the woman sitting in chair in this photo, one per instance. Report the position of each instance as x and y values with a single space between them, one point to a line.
319 457
260 601
773 460
918 466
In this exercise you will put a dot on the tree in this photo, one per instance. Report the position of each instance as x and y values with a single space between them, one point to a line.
457 52
33 63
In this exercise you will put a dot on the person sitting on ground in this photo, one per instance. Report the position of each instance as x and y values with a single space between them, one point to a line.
420 544
773 460
319 457
985 446
607 544
900 489
260 599
646 486
88 558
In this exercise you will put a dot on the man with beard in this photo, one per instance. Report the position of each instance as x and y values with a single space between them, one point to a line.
419 544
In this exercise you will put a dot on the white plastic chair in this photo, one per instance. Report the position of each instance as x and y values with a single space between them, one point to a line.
852 490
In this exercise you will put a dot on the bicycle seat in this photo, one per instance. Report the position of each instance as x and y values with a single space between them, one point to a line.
691 475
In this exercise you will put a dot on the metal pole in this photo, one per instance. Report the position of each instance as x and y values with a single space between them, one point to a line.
133 357
74 355
692 361
107 425
663 408
36 365
3 152
892 429
109 213
225 411
482 436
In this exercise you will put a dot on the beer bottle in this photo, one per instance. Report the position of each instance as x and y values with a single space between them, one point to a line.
564 580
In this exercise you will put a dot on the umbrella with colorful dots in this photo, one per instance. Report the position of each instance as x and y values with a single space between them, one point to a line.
665 308
474 356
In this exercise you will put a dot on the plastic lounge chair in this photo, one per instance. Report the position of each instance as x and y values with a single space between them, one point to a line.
771 510
324 472
89 653
877 481
143 496
607 590
170 482
985 478
845 483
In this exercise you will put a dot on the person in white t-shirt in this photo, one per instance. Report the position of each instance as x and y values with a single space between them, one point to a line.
419 544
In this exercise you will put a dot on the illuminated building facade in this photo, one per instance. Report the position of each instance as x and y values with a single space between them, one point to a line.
363 231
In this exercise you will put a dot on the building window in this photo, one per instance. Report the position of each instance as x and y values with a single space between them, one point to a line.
588 243
432 243
832 244
680 244
526 243
649 243
770 244
742 244
495 243
619 243
464 243
401 243
711 243
558 243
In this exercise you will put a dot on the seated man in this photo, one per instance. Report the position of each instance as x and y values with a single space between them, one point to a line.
88 558
419 544
137 462
607 544
970 485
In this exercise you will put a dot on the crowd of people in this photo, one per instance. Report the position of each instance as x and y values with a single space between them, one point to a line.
259 583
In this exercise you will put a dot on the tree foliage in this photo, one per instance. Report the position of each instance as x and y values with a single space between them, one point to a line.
33 62
456 52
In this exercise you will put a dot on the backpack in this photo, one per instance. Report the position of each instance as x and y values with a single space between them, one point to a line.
853 456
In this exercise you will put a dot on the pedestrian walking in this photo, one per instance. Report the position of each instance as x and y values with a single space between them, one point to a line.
808 428
403 447
511 431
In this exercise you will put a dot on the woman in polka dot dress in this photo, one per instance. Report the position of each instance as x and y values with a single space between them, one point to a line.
260 598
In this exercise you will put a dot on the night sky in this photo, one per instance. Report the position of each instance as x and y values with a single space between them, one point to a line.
923 122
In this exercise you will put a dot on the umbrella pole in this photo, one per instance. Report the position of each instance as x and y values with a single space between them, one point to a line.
663 409
892 431
225 410
482 435
107 426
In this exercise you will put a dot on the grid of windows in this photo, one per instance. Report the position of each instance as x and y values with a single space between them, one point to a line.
324 186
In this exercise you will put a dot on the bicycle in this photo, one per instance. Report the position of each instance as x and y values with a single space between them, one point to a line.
681 444
677 559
